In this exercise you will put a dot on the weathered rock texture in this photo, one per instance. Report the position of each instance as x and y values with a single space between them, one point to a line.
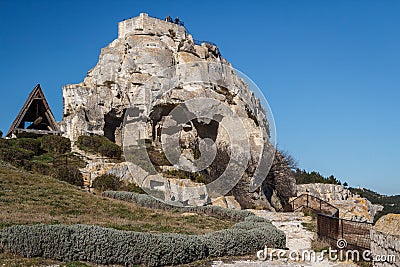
385 240
145 73
327 192
351 207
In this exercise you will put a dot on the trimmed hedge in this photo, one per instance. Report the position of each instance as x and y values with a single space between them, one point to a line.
152 203
109 246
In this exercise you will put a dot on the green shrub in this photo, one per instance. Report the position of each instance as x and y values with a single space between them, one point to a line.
157 158
27 135
111 150
28 144
150 202
5 143
55 144
40 167
69 174
101 245
109 246
107 182
304 177
100 145
16 156
89 143
244 241
131 187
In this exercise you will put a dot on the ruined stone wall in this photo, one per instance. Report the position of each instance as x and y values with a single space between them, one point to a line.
385 239
148 25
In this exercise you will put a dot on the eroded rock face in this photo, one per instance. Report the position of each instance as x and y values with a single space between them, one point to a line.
144 75
351 206
327 192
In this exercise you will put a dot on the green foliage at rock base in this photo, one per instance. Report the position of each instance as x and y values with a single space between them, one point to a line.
55 144
99 145
69 174
107 182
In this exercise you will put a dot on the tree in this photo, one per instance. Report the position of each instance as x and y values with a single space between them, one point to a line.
291 162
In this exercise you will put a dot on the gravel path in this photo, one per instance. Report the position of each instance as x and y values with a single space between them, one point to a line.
297 239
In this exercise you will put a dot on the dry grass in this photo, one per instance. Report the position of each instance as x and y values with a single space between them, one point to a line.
319 245
31 199
11 260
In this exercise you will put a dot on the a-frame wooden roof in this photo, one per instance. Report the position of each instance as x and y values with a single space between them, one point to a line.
37 112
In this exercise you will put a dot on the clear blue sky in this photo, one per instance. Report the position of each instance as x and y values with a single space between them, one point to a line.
329 69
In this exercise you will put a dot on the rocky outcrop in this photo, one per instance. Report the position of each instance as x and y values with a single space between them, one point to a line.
226 202
327 192
385 240
153 69
351 206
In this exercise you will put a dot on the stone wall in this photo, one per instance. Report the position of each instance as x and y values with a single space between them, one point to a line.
385 239
148 25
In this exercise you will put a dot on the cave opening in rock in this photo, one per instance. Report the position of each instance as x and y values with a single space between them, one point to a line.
156 116
206 130
113 126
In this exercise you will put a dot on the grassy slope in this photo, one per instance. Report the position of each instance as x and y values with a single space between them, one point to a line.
30 199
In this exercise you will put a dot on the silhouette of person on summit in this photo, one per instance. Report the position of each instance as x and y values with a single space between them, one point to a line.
168 18
177 20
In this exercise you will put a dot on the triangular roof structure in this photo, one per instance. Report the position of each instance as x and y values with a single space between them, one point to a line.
35 116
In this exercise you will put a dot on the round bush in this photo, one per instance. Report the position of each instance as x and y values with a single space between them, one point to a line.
55 144
107 182
41 168
100 145
28 144
111 150
16 156
89 143
69 174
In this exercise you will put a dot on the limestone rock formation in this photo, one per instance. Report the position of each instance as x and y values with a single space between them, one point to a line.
327 192
143 76
385 240
351 206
